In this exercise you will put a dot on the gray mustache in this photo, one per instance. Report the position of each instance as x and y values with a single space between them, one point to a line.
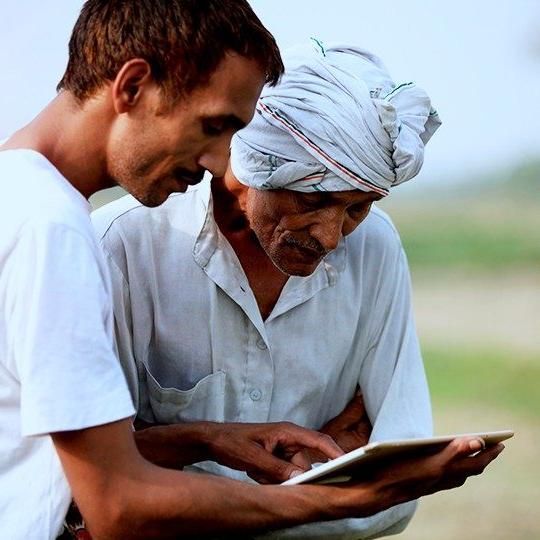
309 244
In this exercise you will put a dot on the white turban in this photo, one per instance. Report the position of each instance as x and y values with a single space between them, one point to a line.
335 122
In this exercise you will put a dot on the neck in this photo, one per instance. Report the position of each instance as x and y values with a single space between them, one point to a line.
265 279
72 137
230 205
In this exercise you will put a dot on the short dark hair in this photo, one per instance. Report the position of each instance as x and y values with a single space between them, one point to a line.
182 40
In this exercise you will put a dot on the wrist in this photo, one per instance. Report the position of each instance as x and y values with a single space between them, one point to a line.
202 436
175 445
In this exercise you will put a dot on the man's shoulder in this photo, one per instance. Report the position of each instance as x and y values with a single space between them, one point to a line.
36 196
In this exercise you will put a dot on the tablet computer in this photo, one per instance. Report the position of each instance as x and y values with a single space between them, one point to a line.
345 467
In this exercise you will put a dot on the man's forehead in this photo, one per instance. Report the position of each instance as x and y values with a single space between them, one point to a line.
236 80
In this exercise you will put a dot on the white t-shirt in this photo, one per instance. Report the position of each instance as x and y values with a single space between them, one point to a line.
58 369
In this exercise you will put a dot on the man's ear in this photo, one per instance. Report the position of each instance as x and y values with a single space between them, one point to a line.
128 86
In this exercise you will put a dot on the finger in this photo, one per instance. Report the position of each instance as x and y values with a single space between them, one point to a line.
462 447
469 466
302 460
441 467
443 485
363 430
356 405
293 435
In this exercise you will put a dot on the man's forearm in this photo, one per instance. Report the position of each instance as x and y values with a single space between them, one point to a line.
388 522
197 505
122 495
267 452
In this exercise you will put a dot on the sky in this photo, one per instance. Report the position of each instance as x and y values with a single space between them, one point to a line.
479 60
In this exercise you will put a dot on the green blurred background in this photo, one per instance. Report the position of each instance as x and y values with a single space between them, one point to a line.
475 263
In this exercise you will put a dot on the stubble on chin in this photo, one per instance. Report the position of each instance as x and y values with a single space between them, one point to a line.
148 193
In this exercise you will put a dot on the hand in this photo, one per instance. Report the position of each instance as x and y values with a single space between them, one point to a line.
448 469
267 452
350 429
403 480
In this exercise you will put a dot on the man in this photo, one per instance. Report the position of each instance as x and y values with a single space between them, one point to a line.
258 300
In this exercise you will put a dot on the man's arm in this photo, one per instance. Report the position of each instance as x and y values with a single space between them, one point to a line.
121 495
392 377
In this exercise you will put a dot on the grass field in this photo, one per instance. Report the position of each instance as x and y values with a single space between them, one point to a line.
483 235
496 379
475 391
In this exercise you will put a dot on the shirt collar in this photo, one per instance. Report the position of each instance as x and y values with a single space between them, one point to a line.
334 263
207 239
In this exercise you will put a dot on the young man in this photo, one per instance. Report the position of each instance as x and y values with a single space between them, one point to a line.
257 299
152 94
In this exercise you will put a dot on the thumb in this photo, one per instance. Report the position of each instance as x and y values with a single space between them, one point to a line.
462 447
273 469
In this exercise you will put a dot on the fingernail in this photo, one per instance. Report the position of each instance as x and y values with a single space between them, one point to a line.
295 473
476 445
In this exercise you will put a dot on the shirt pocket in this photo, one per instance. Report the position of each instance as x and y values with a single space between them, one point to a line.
205 401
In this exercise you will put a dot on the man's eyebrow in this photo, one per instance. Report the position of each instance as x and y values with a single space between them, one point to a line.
228 119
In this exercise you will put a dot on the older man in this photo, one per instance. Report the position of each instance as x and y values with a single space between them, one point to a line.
257 299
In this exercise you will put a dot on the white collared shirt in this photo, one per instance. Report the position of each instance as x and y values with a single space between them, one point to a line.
194 346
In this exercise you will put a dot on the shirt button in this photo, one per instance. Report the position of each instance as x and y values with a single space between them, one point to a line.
261 344
255 394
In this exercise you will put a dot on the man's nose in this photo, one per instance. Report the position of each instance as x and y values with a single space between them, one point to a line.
328 230
215 159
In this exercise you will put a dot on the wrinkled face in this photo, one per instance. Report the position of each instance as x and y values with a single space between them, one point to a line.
153 152
298 229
